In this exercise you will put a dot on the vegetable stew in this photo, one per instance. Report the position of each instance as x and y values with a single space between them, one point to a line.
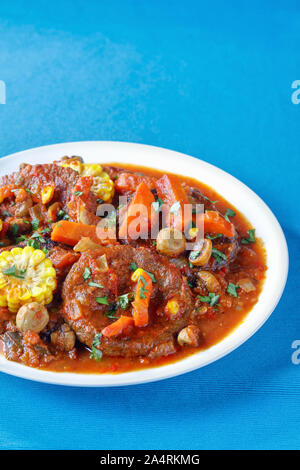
113 268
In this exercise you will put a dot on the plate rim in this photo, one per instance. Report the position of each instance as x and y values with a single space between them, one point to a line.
182 366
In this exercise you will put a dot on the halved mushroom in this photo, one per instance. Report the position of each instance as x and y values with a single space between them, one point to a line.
190 336
201 253
170 242
210 281
32 316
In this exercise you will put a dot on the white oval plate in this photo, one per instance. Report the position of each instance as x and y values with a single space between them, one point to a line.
245 200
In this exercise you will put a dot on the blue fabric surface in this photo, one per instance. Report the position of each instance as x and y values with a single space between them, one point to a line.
211 79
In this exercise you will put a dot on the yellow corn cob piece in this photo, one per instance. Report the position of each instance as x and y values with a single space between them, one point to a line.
91 169
103 187
172 307
1 225
137 273
47 194
26 275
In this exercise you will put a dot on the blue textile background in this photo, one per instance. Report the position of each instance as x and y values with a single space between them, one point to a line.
211 79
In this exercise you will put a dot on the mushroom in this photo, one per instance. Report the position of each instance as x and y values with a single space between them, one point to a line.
201 253
32 316
210 281
190 336
170 242
63 338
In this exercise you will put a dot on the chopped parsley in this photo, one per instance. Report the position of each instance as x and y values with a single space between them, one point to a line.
213 237
6 214
231 289
194 254
152 277
143 291
78 193
100 201
35 224
229 213
95 352
207 198
102 300
124 300
250 239
13 272
94 284
62 215
87 274
45 250
21 238
211 299
133 266
34 243
219 255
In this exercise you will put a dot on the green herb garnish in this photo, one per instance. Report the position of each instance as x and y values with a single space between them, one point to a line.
229 213
213 237
219 255
231 289
124 300
250 239
102 300
35 224
95 352
211 299
94 284
78 193
13 272
87 274
62 215
133 266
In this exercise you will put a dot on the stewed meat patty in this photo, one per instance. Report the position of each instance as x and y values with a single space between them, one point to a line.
87 317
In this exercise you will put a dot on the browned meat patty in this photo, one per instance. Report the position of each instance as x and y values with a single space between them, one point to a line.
87 317
36 177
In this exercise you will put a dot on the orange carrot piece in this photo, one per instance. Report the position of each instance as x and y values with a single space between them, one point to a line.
118 327
70 233
143 196
142 300
215 223
7 191
128 182
170 190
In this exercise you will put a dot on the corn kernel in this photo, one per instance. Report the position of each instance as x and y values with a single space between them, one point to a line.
172 307
137 273
91 169
1 225
47 194
34 279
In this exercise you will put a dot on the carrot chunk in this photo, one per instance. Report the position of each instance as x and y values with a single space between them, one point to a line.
170 190
70 233
144 197
118 327
215 223
142 298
